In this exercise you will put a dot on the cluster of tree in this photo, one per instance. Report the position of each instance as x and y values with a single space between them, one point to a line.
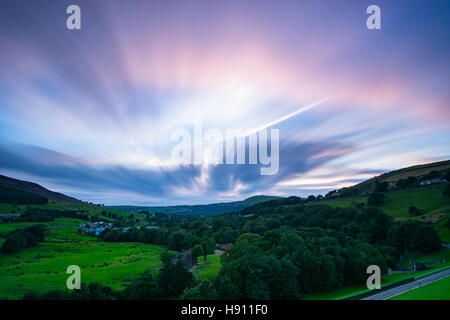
348 192
381 186
414 236
368 224
170 282
405 183
11 195
23 238
109 214
314 249
285 248
172 236
288 264
126 221
375 198
46 215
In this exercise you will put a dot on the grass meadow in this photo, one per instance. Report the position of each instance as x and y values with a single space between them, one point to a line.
438 290
43 268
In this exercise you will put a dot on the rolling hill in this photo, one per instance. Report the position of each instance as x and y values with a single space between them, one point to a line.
206 209
34 188
417 172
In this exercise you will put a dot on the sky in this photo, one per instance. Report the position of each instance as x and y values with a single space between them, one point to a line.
91 112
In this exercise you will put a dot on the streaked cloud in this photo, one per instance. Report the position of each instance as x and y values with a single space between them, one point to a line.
92 112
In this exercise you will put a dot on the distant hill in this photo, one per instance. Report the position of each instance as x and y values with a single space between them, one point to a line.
419 172
206 209
10 184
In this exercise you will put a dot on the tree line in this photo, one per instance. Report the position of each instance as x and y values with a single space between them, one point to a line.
20 239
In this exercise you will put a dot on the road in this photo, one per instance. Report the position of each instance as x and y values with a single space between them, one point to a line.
409 286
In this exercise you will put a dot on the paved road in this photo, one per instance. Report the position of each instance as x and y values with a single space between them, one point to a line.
409 286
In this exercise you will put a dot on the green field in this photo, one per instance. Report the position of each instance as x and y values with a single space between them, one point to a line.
438 290
43 268
210 269
428 199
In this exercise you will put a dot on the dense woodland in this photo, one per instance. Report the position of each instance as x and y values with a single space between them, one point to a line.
288 248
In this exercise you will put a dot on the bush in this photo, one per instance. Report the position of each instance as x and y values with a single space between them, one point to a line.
402 183
23 238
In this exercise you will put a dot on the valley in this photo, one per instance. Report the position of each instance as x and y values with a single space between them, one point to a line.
289 238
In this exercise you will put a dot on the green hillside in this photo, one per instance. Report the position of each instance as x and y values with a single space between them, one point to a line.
416 173
206 209
429 199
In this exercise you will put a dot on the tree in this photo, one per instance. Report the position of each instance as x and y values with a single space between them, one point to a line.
208 245
403 183
375 198
414 236
382 186
145 287
173 278
14 243
178 241
197 251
